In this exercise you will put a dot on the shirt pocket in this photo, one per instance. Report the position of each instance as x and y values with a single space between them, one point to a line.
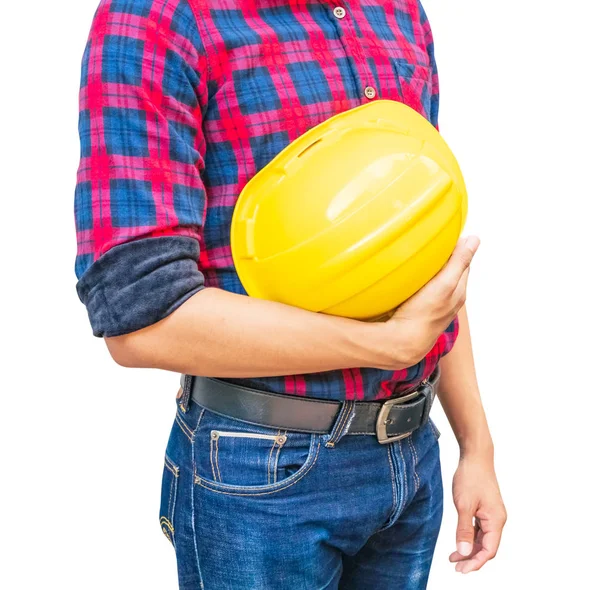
415 84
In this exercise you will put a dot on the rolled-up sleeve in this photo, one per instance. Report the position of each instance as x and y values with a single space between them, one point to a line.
140 203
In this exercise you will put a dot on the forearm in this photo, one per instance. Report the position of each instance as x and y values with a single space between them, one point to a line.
220 334
459 394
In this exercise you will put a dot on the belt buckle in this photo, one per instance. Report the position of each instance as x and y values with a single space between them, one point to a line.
383 416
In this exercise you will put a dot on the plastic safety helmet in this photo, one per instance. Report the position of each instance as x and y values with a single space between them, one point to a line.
354 216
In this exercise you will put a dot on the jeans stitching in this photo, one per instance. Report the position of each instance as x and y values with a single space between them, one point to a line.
171 466
336 435
172 500
275 463
212 460
392 475
165 523
193 504
415 456
184 427
168 519
199 481
217 460
164 520
394 509
404 479
269 459
368 433
340 423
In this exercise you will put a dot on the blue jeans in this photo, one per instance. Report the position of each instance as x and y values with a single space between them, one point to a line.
253 508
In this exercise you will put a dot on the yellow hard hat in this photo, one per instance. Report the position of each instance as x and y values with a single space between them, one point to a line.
354 216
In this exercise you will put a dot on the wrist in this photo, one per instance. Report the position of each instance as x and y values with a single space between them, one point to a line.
476 446
392 349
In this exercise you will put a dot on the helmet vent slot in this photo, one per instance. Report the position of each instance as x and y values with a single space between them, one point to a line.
312 145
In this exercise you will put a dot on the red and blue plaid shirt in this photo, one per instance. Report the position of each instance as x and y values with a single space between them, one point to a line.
182 102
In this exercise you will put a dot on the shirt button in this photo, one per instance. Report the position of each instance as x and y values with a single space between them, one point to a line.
370 92
339 12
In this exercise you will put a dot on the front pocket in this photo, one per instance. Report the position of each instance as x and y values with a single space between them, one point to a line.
236 457
254 453
168 499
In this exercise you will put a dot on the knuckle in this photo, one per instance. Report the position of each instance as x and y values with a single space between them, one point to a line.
500 517
463 506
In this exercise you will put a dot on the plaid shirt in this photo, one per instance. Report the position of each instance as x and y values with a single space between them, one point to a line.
182 102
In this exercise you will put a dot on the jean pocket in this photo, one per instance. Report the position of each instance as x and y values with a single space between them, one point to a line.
168 499
232 456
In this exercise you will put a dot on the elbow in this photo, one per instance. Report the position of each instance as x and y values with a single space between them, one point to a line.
127 351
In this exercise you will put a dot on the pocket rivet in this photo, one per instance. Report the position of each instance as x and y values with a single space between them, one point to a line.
214 435
281 440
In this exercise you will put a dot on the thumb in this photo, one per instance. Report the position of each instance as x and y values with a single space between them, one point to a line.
465 532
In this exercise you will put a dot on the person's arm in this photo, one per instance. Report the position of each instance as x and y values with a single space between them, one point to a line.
216 333
475 487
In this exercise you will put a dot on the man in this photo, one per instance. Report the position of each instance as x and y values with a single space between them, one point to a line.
182 102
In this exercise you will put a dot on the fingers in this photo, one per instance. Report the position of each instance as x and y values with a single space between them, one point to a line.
459 296
485 547
460 260
465 532
489 547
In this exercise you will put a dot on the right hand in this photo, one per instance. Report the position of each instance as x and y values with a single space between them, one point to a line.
418 322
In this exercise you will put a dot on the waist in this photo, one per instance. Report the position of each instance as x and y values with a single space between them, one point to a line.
390 420
349 384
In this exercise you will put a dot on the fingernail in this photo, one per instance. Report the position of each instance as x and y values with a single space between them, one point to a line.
472 242
464 548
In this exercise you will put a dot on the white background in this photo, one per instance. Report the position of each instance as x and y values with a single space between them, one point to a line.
82 439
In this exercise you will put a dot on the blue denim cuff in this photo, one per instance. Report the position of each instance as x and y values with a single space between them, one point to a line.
134 285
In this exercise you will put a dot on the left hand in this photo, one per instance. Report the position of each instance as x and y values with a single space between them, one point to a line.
477 497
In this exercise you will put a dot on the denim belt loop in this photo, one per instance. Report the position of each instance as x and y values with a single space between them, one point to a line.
342 424
186 386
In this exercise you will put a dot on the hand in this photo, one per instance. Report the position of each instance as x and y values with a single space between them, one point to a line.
477 497
418 322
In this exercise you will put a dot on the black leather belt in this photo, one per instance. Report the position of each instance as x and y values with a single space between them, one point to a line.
389 421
